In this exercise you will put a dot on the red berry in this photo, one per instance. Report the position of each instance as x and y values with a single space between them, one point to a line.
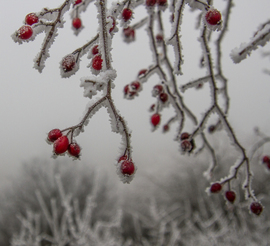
163 97
142 72
152 108
74 149
230 196
113 23
157 90
213 17
97 62
122 158
68 63
256 208
215 188
126 89
25 32
199 86
161 2
77 23
184 135
150 3
54 135
135 85
155 119
60 146
95 50
31 19
268 165
129 33
127 167
186 145
172 18
159 38
126 14
166 128
77 2
211 129
266 159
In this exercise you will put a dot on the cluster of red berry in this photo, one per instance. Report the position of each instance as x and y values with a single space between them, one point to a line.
61 144
187 144
266 161
158 91
96 60
69 62
255 206
132 89
26 31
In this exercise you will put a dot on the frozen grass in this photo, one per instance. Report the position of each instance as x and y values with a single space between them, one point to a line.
63 204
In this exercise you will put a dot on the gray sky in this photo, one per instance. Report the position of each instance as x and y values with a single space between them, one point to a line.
31 104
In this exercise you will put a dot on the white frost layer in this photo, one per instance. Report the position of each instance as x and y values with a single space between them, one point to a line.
92 84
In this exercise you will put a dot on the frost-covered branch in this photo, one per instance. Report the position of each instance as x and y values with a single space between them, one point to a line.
260 38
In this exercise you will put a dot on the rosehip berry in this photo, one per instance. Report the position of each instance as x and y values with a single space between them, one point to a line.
127 167
129 33
95 50
184 135
113 23
74 150
132 93
230 196
97 62
159 38
163 97
199 86
126 89
161 2
68 63
186 145
142 72
150 3
155 119
172 18
77 2
77 23
25 32
54 135
152 108
213 17
157 90
166 128
215 188
256 208
266 159
122 158
126 14
211 129
135 85
60 146
31 19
